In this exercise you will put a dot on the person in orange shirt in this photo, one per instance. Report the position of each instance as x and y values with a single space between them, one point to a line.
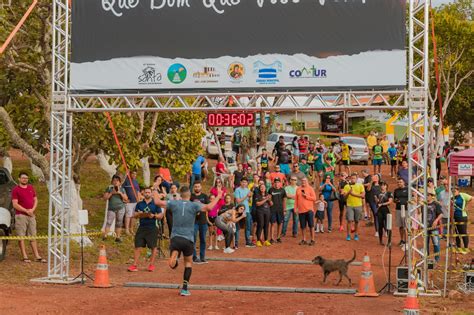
304 207
278 174
166 176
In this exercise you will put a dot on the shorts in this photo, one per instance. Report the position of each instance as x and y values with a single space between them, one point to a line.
285 169
182 245
393 162
277 217
25 225
319 168
320 215
353 214
130 209
377 161
306 219
117 215
399 221
146 237
236 148
346 162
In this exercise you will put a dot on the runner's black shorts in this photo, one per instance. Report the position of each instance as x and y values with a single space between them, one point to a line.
346 162
393 162
182 245
277 217
146 237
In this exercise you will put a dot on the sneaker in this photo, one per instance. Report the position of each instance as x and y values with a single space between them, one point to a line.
322 229
329 230
210 248
279 240
376 234
317 228
203 261
216 247
267 243
228 250
312 243
250 245
259 244
151 268
236 247
341 228
132 268
401 243
184 292
348 238
196 260
356 237
220 238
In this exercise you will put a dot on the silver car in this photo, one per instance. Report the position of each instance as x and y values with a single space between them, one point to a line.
360 153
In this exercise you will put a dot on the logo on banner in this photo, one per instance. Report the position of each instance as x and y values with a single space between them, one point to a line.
149 75
308 73
207 75
465 169
236 71
267 73
177 73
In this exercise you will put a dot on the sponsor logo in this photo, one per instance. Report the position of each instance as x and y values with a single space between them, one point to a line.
308 73
267 73
149 75
177 73
207 75
236 71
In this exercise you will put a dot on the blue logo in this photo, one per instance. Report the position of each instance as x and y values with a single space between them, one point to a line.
177 73
308 73
267 73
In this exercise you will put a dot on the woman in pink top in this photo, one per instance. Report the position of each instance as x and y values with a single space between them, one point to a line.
218 184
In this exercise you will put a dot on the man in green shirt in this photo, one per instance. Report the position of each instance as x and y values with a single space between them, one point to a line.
378 157
290 207
304 167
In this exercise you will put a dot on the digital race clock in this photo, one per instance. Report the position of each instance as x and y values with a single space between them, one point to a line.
230 119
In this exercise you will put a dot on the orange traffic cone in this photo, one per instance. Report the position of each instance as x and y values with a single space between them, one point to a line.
366 283
102 271
411 303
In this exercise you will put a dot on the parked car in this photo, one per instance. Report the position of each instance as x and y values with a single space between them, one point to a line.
6 208
360 152
273 139
211 145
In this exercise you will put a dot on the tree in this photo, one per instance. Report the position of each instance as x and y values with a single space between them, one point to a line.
364 127
454 34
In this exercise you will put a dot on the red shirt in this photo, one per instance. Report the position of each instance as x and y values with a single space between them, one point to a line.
303 146
281 176
25 196
165 174
220 168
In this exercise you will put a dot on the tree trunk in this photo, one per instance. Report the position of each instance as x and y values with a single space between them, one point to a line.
146 171
76 205
37 158
7 163
37 171
110 169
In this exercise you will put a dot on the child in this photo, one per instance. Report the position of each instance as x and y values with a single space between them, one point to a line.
321 206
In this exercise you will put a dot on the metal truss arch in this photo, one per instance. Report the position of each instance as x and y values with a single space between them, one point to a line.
65 104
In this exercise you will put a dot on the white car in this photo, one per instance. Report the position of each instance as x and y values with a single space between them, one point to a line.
360 152
273 139
211 145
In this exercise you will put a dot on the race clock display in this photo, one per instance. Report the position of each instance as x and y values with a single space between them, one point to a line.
230 119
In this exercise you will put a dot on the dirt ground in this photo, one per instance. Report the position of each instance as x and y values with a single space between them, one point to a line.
32 298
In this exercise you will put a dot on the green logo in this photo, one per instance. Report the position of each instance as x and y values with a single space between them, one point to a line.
177 73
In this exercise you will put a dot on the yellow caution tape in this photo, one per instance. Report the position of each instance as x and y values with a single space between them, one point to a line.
455 271
45 237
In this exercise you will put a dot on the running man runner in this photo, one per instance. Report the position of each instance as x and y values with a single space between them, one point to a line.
182 238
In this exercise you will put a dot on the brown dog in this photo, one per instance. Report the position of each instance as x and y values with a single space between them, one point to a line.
334 265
